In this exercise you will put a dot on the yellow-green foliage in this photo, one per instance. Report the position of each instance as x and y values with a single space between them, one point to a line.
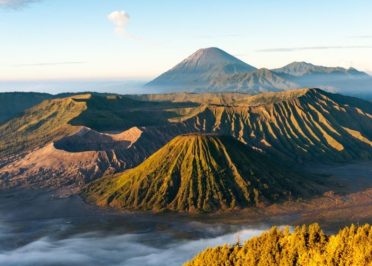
200 173
40 124
306 245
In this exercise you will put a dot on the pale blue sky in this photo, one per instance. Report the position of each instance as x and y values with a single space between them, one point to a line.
74 39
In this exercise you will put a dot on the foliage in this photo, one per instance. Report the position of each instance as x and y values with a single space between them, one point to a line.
306 245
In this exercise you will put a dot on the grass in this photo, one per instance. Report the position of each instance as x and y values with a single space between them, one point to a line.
200 173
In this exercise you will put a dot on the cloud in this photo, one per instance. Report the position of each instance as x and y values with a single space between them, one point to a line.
120 20
100 248
294 49
16 3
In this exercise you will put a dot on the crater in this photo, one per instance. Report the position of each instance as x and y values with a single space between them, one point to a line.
87 139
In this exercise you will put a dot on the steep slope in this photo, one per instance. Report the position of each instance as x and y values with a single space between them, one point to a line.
331 78
57 144
53 119
301 125
199 173
65 143
14 103
198 70
68 164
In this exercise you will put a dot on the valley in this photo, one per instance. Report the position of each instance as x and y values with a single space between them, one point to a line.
67 142
37 222
193 133
140 178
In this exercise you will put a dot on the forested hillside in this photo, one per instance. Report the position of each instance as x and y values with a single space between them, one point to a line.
306 245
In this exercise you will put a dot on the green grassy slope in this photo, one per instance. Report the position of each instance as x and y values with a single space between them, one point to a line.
14 103
200 173
40 125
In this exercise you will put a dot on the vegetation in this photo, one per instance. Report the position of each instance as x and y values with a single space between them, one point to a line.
302 125
14 103
306 245
56 118
40 125
117 112
200 173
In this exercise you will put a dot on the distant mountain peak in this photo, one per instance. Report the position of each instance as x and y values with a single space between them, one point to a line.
199 69
212 69
212 55
301 68
212 59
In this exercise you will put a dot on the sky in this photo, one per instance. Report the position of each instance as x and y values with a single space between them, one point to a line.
59 40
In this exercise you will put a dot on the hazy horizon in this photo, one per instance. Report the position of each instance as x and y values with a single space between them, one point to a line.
115 40
120 86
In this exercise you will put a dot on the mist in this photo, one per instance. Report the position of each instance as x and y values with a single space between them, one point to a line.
75 86
37 229
126 249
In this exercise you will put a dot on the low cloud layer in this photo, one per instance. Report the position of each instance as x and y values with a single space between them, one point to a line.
294 49
120 20
115 250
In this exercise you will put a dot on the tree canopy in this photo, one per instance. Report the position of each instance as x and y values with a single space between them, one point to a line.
305 245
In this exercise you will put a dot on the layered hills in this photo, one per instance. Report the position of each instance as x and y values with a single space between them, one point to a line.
213 70
56 118
200 173
67 142
301 125
337 79
301 69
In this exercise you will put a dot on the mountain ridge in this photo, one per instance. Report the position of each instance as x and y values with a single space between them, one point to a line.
47 146
220 71
302 68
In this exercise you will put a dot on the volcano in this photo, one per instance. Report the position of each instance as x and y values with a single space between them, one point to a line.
200 173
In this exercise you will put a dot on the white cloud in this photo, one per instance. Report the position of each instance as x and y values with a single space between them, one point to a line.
99 248
120 20
15 3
